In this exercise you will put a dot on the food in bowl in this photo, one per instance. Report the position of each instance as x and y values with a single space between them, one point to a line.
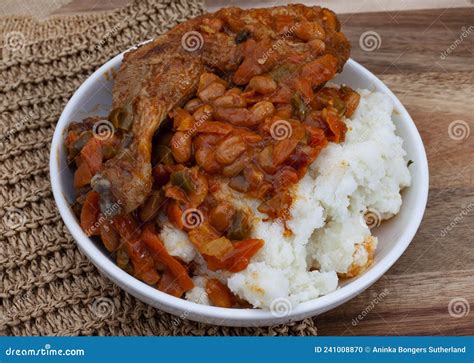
230 172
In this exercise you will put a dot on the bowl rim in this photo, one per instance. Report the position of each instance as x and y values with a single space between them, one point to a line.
232 316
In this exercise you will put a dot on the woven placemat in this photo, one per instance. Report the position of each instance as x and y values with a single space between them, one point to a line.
47 286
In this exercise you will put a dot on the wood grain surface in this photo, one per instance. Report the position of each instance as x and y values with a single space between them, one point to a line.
430 290
438 267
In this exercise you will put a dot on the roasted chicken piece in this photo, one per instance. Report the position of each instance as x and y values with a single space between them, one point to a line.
290 43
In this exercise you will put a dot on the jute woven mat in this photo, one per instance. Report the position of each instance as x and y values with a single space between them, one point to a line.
47 286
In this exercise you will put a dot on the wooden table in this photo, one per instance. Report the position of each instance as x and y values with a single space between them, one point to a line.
438 267
437 89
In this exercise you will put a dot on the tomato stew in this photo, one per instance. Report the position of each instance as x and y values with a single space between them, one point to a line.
256 139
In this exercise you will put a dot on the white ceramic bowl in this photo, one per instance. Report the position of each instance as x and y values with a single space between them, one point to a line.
94 97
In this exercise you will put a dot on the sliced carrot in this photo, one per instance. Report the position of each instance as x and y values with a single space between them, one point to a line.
174 213
83 174
219 294
243 252
175 267
109 235
169 284
92 154
238 259
90 214
150 276
127 227
142 260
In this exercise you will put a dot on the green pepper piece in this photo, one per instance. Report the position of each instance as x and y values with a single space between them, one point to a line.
240 227
300 108
183 180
